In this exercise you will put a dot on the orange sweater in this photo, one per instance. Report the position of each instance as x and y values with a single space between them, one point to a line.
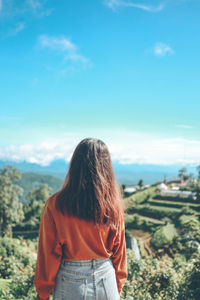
70 238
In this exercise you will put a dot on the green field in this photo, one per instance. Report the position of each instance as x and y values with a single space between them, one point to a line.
152 220
150 212
129 218
176 204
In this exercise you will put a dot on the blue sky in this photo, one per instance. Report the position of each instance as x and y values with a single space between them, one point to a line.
121 70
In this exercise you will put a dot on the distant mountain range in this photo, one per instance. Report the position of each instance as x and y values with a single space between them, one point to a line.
128 174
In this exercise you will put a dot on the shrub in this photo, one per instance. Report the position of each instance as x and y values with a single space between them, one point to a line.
150 279
164 236
13 257
190 286
21 286
190 225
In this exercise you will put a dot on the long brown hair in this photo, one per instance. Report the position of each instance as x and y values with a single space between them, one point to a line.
90 191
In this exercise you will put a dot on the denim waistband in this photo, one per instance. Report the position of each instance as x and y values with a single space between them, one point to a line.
87 262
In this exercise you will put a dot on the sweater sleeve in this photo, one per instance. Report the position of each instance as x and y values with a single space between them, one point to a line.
49 256
119 256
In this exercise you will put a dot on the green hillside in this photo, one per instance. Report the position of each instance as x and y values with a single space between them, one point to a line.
33 180
160 224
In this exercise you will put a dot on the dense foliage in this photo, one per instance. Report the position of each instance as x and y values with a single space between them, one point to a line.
170 248
148 279
17 266
10 209
154 279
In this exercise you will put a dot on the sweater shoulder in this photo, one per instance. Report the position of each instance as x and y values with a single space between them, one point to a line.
51 202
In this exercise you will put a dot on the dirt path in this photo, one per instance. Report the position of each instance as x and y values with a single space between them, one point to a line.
144 238
146 244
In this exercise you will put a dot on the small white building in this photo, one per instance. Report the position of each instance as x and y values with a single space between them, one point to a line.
182 194
162 187
175 188
130 190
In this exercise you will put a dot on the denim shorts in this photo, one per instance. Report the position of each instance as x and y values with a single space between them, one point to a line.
86 280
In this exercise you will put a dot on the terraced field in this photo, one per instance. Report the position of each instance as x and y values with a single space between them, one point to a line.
147 210
172 204
152 220
130 217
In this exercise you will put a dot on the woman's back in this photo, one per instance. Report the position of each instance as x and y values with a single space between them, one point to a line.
76 239
84 221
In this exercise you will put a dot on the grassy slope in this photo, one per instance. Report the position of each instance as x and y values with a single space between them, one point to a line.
146 198
139 197
172 203
129 218
33 180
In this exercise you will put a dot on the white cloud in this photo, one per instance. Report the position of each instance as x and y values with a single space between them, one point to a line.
13 8
18 27
125 147
42 153
113 4
38 7
161 49
62 45
161 4
34 4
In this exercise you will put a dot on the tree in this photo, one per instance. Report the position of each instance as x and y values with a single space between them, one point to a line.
141 183
123 187
191 176
165 179
198 190
182 173
198 170
11 211
39 194
34 208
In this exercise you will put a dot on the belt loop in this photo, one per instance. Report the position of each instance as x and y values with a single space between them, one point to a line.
93 263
